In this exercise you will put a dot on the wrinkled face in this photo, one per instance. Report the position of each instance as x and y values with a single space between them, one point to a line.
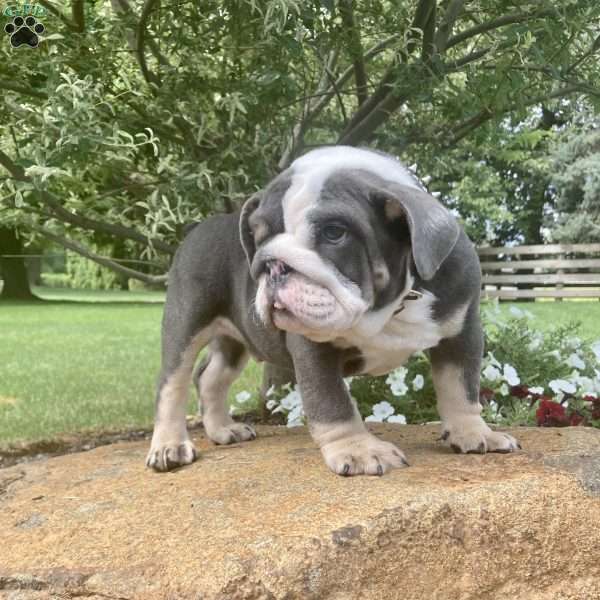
324 243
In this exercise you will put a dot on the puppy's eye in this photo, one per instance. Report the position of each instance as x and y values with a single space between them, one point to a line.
334 233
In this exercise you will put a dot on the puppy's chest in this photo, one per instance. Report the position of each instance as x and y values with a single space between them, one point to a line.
402 336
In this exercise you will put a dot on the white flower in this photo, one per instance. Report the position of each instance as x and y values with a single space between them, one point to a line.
373 419
270 391
295 417
348 382
271 404
418 382
536 342
504 389
491 373
510 375
397 419
382 410
561 385
536 390
396 381
243 397
575 361
596 350
574 343
292 400
555 353
586 385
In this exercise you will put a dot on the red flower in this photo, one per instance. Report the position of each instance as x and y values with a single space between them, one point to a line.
595 405
486 395
576 419
551 414
519 391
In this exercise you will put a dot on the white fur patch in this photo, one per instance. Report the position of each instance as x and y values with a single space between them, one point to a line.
386 341
316 166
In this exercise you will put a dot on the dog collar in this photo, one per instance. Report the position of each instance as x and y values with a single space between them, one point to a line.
412 295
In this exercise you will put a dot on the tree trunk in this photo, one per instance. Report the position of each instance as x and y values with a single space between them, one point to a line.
14 271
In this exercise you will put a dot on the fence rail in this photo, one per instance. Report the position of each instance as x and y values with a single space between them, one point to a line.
513 272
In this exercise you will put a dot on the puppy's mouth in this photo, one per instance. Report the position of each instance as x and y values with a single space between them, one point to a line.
277 273
295 302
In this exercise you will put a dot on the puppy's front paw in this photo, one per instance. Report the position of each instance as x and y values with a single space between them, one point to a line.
472 436
164 457
362 454
230 433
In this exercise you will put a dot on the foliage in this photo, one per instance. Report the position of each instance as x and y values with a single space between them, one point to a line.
94 356
134 117
576 176
87 275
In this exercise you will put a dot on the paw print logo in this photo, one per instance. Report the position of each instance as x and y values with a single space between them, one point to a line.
24 31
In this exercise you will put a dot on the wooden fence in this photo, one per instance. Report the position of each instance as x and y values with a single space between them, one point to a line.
542 271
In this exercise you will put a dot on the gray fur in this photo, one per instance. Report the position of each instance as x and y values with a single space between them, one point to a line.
213 287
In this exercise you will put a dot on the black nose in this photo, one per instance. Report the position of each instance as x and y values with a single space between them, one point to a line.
277 270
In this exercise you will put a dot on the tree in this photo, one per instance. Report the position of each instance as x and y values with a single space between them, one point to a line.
134 116
12 267
576 177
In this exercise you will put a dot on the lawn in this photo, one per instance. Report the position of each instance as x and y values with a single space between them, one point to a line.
91 362
72 366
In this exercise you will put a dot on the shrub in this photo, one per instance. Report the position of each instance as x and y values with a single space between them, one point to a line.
56 280
86 274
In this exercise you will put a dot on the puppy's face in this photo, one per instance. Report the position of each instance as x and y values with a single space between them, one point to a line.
333 237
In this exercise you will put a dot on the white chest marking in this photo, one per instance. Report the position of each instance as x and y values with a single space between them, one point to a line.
401 335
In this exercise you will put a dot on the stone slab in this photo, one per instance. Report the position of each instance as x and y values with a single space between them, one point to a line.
266 520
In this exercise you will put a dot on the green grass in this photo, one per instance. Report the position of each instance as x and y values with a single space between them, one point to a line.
548 314
91 362
73 366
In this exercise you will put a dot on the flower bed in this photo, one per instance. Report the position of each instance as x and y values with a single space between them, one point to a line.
528 377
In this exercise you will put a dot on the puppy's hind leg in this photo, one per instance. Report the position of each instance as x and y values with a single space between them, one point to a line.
227 359
456 364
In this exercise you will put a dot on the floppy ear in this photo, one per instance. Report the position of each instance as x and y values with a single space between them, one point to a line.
246 233
433 229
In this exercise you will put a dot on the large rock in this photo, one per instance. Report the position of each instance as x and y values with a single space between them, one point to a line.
267 520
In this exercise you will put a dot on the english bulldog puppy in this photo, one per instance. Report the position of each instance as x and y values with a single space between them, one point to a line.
343 265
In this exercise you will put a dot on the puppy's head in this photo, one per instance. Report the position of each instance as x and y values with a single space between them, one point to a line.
337 235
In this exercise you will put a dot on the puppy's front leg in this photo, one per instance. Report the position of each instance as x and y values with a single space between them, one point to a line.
334 422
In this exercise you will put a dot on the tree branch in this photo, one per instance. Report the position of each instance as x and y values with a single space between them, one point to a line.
140 37
9 85
355 49
311 112
78 15
101 260
385 87
428 46
484 115
450 16
61 213
508 19
58 13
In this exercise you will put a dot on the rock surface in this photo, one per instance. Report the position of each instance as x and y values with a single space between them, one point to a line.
266 520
